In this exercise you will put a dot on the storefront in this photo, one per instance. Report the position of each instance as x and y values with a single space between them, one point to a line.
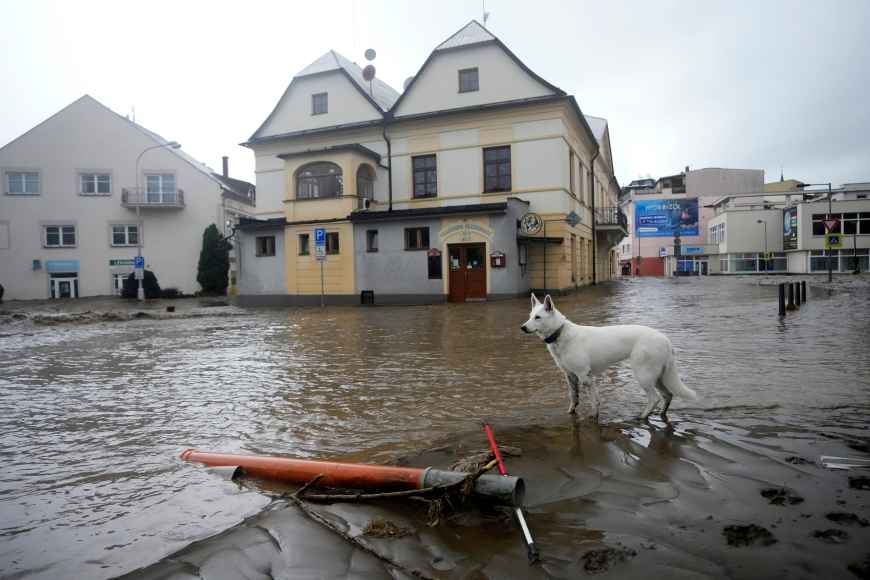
63 278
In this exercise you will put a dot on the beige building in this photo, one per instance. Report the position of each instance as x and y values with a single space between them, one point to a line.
74 213
420 192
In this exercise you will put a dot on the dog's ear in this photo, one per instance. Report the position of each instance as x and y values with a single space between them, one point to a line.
548 303
535 301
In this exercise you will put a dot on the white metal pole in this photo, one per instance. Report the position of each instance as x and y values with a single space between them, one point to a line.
322 299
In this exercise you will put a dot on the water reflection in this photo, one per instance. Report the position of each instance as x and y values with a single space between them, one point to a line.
96 415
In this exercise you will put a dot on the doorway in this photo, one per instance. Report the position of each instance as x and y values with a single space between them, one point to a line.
64 285
467 272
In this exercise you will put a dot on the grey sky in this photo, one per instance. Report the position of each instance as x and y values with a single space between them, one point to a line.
749 84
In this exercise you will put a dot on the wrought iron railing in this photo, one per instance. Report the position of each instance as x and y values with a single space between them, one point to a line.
611 216
141 197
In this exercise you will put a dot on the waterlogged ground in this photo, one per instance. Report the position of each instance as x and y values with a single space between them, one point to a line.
95 415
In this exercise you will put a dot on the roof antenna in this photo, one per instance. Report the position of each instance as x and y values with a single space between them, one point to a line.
369 71
485 13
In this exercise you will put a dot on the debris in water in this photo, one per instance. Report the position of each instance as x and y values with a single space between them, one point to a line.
859 482
847 519
748 535
381 528
599 561
831 536
781 496
795 460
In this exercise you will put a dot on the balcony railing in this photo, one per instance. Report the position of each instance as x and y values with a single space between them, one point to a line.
611 216
141 197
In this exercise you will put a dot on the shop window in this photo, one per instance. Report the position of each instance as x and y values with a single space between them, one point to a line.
416 238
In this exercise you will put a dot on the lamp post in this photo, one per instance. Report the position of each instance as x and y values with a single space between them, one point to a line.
766 265
140 292
827 249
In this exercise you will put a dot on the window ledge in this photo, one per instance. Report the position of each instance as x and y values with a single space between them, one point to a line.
60 247
417 249
83 194
22 194
306 199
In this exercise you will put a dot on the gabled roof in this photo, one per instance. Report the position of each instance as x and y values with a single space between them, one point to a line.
383 94
378 93
237 189
472 34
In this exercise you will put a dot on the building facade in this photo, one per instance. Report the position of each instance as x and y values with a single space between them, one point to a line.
74 214
422 194
678 204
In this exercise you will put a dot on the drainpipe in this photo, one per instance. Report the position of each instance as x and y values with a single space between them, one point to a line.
390 163
594 230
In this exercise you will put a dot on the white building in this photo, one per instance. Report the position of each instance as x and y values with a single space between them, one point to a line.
69 225
785 232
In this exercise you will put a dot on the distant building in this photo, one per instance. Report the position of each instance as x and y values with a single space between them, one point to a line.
422 195
677 205
68 209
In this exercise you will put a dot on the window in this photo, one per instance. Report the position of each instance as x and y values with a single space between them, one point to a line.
819 262
371 240
60 236
118 283
332 242
95 183
850 223
425 176
160 188
265 246
864 222
468 81
497 169
723 264
303 244
125 235
319 103
365 182
416 238
22 182
319 180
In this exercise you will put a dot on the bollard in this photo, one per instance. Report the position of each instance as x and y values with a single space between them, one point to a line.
790 305
803 290
782 299
797 294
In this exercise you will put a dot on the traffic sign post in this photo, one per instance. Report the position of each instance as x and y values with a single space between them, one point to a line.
139 271
833 241
320 255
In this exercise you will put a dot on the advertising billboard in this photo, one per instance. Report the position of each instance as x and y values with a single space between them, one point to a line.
658 218
789 228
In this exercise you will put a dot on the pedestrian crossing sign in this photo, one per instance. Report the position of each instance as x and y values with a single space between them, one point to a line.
833 241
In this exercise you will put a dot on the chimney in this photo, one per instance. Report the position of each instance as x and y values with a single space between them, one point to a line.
226 166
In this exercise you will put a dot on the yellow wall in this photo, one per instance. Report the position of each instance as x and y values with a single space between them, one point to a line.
303 272
559 256
329 208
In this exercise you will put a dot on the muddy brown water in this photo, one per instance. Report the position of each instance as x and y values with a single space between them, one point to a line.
94 416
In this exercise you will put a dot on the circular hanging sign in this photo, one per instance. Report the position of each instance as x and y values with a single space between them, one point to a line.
531 223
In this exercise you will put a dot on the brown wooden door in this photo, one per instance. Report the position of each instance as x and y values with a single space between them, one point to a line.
467 272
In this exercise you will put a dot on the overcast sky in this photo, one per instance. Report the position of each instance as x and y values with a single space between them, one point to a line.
748 84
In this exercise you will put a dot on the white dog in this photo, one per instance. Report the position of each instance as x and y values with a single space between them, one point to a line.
583 351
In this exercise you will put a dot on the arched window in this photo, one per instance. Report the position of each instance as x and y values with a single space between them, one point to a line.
365 182
318 180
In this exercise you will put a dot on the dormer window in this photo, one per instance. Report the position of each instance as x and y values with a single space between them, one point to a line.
468 81
320 103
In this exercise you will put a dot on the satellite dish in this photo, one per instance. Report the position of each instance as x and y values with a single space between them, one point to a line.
407 82
369 72
370 54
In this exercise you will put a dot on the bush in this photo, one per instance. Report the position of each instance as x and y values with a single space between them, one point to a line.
214 262
131 286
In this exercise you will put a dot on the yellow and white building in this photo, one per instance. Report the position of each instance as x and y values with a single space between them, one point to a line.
480 181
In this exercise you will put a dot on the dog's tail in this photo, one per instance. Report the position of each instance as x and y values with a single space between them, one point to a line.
671 381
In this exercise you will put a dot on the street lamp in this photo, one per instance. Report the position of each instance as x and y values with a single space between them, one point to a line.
140 292
827 249
766 265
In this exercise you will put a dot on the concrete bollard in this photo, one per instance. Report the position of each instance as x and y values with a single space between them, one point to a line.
790 305
804 290
782 299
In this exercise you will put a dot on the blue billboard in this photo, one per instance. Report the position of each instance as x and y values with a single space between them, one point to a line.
660 218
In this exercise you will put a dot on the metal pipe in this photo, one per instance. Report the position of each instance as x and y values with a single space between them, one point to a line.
510 490
389 167
827 245
594 229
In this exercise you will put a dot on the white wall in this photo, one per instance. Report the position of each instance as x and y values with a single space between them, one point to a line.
86 136
293 113
743 233
500 79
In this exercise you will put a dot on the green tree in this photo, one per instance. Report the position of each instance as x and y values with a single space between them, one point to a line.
214 262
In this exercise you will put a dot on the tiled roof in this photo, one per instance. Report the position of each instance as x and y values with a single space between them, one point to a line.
382 93
471 33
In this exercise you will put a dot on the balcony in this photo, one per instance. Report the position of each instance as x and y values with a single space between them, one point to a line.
611 224
132 198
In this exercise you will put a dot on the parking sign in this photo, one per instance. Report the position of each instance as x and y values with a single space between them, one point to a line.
139 262
320 237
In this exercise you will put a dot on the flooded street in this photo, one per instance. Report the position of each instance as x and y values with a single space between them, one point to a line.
95 416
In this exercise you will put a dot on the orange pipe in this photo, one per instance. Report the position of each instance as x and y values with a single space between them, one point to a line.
346 475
